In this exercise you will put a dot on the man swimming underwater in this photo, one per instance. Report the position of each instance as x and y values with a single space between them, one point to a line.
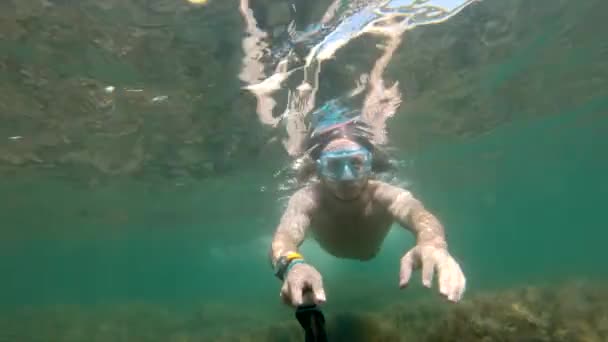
349 214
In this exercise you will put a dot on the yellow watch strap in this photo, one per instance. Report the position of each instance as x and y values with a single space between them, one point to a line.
293 255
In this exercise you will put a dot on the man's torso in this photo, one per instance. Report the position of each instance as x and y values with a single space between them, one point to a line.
350 229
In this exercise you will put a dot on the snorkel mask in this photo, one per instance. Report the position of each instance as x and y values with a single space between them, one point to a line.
345 164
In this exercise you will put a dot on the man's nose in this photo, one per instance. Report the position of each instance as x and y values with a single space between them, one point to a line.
347 173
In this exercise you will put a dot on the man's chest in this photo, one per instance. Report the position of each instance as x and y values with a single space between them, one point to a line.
351 234
351 219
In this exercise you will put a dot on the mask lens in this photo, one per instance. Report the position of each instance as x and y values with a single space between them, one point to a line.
335 166
344 165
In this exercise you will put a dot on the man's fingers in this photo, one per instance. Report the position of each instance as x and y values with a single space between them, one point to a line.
460 284
462 287
296 295
286 299
284 294
319 292
445 278
407 264
283 290
458 289
453 294
450 278
452 286
428 268
454 282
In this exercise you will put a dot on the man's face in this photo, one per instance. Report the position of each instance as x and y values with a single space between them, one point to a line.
345 190
344 167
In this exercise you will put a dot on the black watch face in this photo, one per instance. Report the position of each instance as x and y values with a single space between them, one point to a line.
281 264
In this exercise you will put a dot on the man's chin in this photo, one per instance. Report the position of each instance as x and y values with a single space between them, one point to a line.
346 191
347 198
348 195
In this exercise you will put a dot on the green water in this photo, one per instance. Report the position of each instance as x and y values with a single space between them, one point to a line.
505 142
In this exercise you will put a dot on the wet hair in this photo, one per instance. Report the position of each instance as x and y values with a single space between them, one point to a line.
354 130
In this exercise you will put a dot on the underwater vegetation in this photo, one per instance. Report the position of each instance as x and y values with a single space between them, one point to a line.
574 311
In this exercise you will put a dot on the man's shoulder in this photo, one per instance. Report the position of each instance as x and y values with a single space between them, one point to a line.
305 197
305 191
384 191
378 185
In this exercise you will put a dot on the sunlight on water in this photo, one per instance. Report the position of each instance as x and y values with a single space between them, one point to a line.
338 27
294 76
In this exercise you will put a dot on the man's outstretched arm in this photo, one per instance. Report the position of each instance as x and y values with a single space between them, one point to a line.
299 278
431 251
292 227
411 214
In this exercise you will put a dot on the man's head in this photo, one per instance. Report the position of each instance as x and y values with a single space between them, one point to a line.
344 167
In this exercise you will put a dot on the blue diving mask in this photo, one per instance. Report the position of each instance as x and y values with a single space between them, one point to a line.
345 165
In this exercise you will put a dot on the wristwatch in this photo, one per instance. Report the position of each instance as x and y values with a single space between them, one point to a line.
284 261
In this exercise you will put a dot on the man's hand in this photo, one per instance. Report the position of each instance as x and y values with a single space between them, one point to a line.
300 279
451 279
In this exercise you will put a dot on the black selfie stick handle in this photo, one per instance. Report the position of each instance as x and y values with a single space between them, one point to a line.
312 320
